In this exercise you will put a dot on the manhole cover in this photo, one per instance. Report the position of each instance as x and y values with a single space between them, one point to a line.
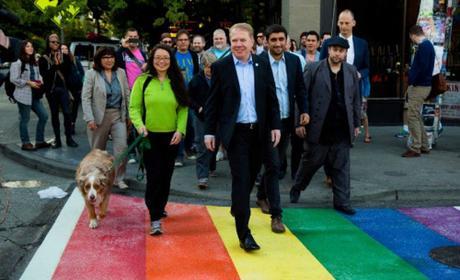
21 184
447 255
395 173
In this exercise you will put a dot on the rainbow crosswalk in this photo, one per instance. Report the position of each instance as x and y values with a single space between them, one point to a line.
200 243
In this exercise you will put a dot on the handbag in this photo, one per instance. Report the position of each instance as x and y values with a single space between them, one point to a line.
438 86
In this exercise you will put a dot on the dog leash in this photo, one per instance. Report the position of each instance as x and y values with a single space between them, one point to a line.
144 144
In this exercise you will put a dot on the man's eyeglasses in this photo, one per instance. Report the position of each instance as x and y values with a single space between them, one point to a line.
166 42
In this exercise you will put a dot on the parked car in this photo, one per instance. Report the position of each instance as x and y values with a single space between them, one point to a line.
85 50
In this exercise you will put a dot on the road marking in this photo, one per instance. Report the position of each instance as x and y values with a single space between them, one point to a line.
282 256
115 249
47 256
189 248
443 220
457 207
344 249
408 239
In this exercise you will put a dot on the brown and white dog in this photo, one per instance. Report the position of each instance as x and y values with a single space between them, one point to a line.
95 176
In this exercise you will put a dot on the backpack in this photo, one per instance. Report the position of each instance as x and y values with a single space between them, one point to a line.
10 87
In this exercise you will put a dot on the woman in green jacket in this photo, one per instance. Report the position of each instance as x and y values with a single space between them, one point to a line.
160 114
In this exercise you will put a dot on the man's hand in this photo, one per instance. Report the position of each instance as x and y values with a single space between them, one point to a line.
359 75
276 137
357 130
304 119
200 110
92 125
301 131
177 137
124 43
142 131
210 142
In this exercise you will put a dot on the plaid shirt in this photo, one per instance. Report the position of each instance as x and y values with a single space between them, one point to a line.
23 92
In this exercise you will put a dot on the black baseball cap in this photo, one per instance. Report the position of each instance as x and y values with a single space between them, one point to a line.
338 41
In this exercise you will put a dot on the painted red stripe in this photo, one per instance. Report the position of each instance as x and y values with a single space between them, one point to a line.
190 247
115 250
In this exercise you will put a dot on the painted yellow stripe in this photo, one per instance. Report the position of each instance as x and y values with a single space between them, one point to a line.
282 256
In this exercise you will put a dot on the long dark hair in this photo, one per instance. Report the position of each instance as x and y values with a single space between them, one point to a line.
174 74
23 56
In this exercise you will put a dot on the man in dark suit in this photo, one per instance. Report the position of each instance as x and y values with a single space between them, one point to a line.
333 104
242 104
290 91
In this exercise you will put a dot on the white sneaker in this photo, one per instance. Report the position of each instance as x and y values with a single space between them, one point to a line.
122 185
219 156
155 228
178 164
132 161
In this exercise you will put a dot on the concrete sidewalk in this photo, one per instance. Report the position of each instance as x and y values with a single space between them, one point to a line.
379 175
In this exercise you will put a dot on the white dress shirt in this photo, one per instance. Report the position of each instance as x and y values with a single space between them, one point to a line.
351 49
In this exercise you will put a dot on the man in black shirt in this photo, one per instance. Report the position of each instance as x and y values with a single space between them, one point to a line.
333 104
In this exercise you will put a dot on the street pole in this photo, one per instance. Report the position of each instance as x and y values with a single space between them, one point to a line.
403 52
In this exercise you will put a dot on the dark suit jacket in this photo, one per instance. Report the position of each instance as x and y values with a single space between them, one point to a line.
318 83
361 61
222 106
296 87
198 90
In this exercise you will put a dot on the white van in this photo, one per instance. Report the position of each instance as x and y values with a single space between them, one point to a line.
85 50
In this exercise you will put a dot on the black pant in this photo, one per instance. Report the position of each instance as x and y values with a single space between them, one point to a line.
75 104
296 153
159 164
337 158
59 98
273 156
245 158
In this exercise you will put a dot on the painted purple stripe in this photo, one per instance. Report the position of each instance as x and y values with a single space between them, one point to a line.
443 220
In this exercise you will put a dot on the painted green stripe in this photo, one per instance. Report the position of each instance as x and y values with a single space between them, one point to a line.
345 250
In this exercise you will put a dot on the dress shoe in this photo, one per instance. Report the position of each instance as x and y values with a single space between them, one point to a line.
410 154
249 244
425 151
345 209
277 225
71 143
294 195
28 147
42 145
263 204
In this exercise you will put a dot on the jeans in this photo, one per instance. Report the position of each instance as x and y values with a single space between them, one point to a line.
206 160
24 117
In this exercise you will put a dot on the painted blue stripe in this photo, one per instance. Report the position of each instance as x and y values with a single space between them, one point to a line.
407 238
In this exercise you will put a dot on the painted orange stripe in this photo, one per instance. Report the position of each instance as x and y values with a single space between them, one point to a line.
190 247
115 250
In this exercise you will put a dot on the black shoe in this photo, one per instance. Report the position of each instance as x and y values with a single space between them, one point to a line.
282 175
294 195
71 143
249 244
56 144
345 209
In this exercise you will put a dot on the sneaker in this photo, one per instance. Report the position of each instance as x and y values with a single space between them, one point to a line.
191 157
178 163
132 159
155 228
203 184
402 134
122 185
220 156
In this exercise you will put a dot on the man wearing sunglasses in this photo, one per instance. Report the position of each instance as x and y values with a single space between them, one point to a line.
55 69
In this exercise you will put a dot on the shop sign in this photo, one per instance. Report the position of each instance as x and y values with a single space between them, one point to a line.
450 107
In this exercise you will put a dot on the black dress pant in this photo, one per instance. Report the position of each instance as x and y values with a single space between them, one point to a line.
159 165
296 153
59 98
337 158
75 104
269 187
245 157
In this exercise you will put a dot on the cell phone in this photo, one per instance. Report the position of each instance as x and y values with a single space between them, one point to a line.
133 41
